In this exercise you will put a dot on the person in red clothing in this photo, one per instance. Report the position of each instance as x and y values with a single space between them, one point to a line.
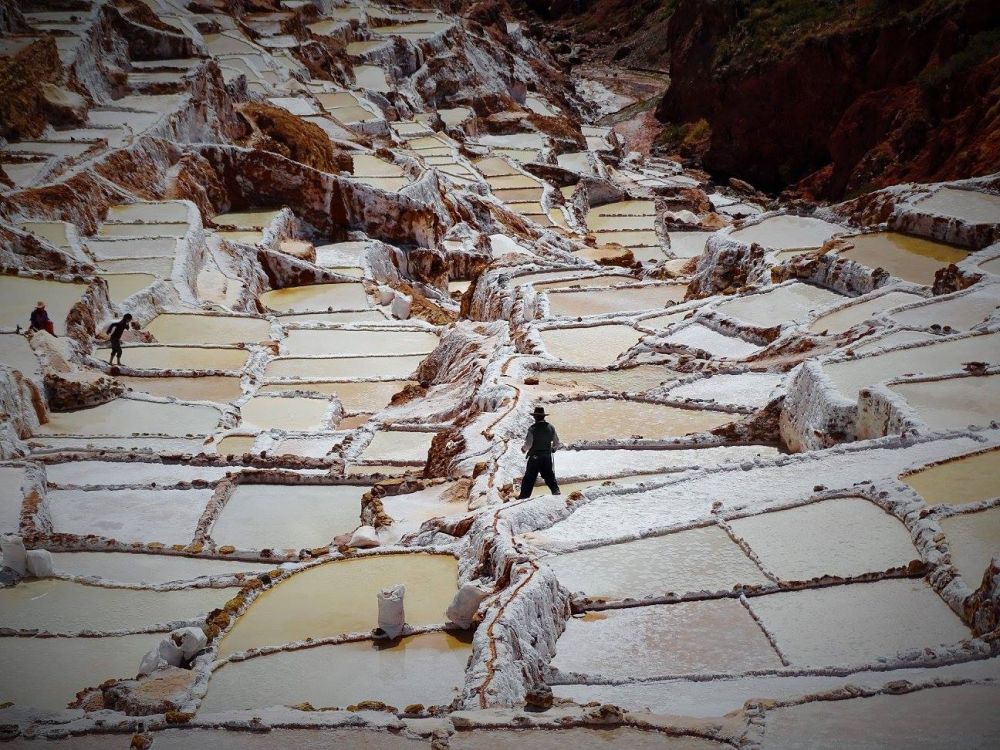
40 320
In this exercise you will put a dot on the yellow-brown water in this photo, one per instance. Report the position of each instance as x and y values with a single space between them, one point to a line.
342 367
285 413
18 296
235 445
909 258
397 445
125 416
592 345
183 328
602 301
848 317
317 297
151 357
604 419
356 397
966 479
955 403
339 597
341 342
218 388
973 539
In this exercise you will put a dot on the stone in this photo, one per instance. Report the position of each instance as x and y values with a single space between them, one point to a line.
386 294
63 107
466 603
364 537
14 555
401 306
391 617
166 654
40 563
299 249
190 640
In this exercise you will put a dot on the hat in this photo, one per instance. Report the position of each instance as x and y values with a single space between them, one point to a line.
39 304
539 412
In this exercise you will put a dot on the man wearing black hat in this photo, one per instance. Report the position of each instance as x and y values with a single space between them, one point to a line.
539 443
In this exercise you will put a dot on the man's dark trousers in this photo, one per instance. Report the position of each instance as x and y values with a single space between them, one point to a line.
538 463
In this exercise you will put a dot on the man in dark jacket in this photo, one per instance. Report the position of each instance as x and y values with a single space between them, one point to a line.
539 444
115 331
40 320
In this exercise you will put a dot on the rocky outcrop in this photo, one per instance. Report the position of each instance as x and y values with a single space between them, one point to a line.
67 385
907 92
277 130
24 109
22 410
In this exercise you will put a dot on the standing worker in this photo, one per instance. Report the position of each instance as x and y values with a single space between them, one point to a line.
115 331
40 320
539 444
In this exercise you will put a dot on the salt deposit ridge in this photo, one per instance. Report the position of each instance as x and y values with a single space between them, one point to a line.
361 244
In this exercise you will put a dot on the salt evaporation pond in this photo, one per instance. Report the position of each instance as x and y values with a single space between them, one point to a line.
235 445
281 516
846 318
67 607
590 345
609 418
692 560
973 540
909 258
605 301
858 623
589 738
788 232
18 296
941 356
717 344
185 328
125 416
789 303
683 638
968 205
217 388
363 396
316 298
398 445
116 231
339 597
427 668
147 570
557 280
286 413
951 716
627 380
303 368
89 473
159 211
365 342
83 662
954 403
121 286
844 537
166 516
957 481
961 311
155 357
688 244
16 352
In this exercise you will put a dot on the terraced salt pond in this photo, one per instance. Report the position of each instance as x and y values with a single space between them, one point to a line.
628 380
235 445
789 302
960 311
846 318
18 295
969 205
961 480
590 345
605 301
125 416
398 445
183 328
121 286
147 570
427 668
909 258
365 342
286 413
317 298
973 540
684 638
717 344
339 597
281 516
364 397
843 537
941 356
954 403
82 662
788 232
312 368
692 560
688 244
217 388
155 357
859 623
608 419
66 607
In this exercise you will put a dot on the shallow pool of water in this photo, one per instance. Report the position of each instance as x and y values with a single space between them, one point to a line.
154 247
858 623
688 244
365 397
427 669
235 445
623 208
18 296
842 537
398 445
339 597
115 231
605 301
591 345
371 77
83 662
357 316
848 317
717 344
148 570
154 212
909 258
973 539
688 637
285 413
370 342
969 205
605 419
966 479
155 357
961 312
123 285
317 298
125 416
56 232
955 403
790 303
632 379
691 560
787 232
342 367
217 388
184 328
67 607
281 516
